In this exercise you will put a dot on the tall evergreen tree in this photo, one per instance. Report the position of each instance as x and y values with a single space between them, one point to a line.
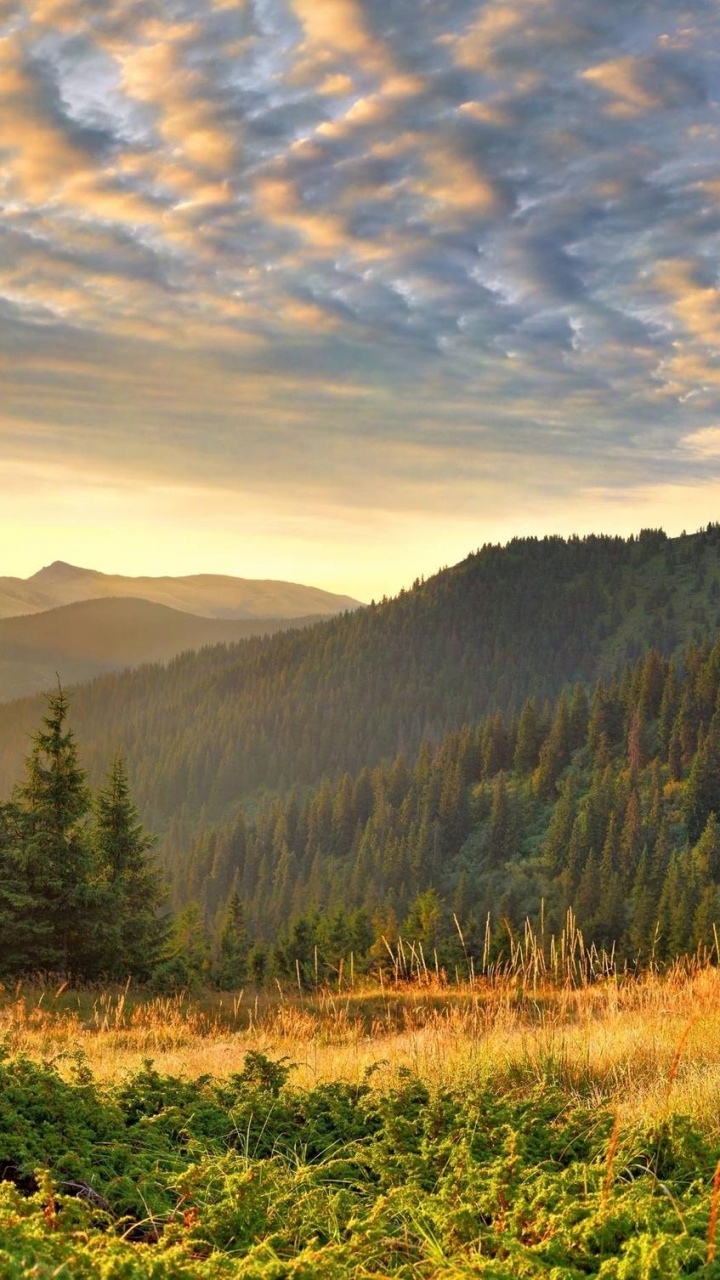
702 793
130 889
233 946
54 801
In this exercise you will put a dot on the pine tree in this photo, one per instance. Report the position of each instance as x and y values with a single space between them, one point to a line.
669 706
130 886
555 752
587 896
233 946
579 715
643 909
607 925
500 835
636 746
423 921
54 801
187 953
676 908
702 792
557 838
652 685
529 739
707 849
631 840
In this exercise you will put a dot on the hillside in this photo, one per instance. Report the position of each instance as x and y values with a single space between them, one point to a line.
209 595
79 641
606 806
506 624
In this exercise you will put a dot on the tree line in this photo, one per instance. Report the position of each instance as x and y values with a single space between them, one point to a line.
604 801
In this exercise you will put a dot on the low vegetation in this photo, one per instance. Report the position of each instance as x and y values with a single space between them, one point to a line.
507 1127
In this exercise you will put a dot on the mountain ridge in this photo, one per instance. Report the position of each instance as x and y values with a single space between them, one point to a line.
79 641
205 595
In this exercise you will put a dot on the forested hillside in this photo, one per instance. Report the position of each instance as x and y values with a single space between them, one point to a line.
607 806
508 623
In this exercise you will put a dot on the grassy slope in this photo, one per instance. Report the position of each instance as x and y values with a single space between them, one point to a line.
503 1130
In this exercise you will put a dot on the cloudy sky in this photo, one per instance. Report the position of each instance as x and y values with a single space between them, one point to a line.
338 290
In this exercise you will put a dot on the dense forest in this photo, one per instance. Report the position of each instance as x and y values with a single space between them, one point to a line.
499 743
604 804
222 726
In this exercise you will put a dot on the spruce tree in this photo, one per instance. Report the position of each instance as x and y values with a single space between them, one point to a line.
499 844
233 946
54 802
187 953
555 752
702 792
529 739
707 849
130 889
643 909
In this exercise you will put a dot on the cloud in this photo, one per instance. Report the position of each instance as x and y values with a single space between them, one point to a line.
336 29
704 443
375 253
622 79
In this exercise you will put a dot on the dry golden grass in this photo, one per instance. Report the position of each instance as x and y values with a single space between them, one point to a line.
644 1046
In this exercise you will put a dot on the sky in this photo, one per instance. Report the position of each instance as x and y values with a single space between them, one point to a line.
336 291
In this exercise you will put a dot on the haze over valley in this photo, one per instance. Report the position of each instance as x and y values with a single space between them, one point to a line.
72 624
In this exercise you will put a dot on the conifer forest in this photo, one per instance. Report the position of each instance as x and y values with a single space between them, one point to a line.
388 947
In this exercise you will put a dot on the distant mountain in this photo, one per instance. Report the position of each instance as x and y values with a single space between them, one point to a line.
79 641
525 620
208 595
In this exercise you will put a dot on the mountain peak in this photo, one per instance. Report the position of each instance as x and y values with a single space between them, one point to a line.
59 569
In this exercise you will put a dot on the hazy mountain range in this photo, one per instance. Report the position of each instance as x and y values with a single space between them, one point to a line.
209 595
75 623
215 727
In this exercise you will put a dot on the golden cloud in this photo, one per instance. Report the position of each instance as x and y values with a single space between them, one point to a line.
453 184
486 112
364 111
474 49
336 86
336 27
697 306
704 443
154 74
277 199
39 158
59 15
622 79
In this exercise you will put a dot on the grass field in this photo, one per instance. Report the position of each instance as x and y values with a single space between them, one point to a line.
510 1126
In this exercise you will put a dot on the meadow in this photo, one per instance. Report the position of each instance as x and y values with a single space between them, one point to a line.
520 1123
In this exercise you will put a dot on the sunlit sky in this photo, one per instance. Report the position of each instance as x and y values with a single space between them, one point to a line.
338 290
